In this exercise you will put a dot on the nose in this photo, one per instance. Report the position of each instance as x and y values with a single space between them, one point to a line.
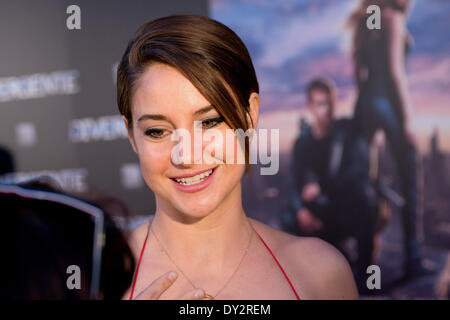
196 146
189 147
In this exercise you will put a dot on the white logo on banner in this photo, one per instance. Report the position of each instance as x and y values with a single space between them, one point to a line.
130 176
105 128
26 134
71 180
39 85
73 21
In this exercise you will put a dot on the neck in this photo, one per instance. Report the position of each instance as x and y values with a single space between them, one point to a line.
211 241
323 130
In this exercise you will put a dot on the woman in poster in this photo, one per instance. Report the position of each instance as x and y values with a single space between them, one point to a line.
384 103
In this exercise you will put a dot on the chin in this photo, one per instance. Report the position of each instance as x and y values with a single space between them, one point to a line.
196 208
193 215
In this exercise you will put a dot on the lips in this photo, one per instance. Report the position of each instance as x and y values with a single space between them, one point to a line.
195 181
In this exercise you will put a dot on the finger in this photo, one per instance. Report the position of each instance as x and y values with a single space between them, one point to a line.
158 286
197 294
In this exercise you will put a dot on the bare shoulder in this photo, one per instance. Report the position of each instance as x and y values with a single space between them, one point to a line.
136 237
315 266
330 269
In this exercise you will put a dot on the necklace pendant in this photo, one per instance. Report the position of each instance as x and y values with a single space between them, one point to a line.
208 296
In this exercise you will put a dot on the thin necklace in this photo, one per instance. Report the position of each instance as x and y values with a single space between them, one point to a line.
207 295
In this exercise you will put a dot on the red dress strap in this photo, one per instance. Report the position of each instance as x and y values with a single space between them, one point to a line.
276 260
137 268
279 265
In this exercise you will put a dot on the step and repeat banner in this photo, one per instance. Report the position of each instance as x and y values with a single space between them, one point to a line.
59 117
58 111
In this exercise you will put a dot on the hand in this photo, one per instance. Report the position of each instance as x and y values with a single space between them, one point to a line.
308 222
160 285
310 191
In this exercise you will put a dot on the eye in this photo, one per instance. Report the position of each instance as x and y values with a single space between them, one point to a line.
210 123
155 133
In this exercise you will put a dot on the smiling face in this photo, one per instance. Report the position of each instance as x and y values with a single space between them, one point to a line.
165 101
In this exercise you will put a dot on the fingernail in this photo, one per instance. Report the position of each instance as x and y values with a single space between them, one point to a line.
172 275
199 293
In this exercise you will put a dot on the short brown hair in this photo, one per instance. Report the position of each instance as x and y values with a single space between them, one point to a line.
205 51
325 85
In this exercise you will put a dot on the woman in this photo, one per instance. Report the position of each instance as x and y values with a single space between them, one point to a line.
383 102
176 72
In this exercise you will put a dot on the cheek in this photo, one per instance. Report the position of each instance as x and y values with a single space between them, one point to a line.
224 146
154 159
233 148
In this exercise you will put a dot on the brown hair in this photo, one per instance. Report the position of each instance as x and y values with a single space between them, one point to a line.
206 52
325 85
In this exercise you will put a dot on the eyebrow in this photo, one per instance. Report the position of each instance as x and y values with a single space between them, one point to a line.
203 110
162 117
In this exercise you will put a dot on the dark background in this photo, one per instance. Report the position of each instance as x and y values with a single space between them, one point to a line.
34 40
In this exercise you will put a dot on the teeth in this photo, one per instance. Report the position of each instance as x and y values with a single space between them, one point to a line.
195 179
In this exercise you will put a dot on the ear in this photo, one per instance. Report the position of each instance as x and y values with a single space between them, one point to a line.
130 135
253 102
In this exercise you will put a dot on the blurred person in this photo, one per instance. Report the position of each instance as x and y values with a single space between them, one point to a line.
333 197
384 103
49 231
177 70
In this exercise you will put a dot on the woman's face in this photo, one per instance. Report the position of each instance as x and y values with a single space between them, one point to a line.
165 101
